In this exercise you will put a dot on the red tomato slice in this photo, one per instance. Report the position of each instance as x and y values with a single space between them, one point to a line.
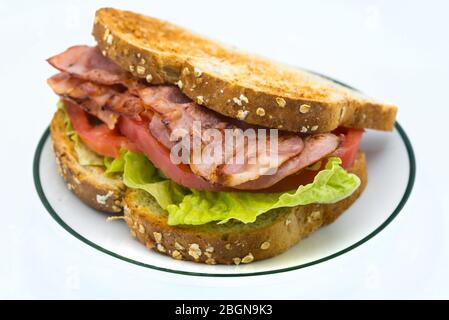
347 151
98 138
159 155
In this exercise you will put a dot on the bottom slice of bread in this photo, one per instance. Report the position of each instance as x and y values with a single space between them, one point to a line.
88 182
233 242
230 243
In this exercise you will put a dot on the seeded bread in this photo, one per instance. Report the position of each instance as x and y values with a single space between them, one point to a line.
231 82
233 242
88 182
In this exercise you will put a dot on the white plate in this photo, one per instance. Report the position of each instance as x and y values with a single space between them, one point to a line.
391 169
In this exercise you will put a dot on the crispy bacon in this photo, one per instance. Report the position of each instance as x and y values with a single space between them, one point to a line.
89 96
87 63
316 147
106 91
176 120
104 102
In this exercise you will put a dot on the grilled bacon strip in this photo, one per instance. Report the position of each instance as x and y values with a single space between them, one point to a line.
108 92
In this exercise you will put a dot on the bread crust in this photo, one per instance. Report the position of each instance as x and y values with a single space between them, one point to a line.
233 83
87 182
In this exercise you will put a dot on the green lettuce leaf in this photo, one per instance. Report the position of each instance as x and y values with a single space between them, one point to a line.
114 166
140 173
68 124
330 185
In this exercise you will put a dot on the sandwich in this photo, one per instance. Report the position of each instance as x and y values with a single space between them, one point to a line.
208 153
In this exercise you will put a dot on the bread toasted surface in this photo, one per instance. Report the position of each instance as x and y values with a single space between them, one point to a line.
233 83
230 243
88 182
233 242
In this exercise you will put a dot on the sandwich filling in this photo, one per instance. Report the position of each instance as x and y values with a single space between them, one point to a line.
133 126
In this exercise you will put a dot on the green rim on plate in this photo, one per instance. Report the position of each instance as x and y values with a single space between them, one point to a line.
400 205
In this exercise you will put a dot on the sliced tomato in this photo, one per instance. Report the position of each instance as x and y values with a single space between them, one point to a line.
139 133
347 151
98 138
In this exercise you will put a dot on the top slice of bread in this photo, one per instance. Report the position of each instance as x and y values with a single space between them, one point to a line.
231 82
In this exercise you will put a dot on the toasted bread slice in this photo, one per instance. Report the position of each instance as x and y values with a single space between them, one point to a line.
230 243
233 242
88 182
231 82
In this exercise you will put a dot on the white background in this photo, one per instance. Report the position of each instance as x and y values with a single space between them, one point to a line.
396 51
